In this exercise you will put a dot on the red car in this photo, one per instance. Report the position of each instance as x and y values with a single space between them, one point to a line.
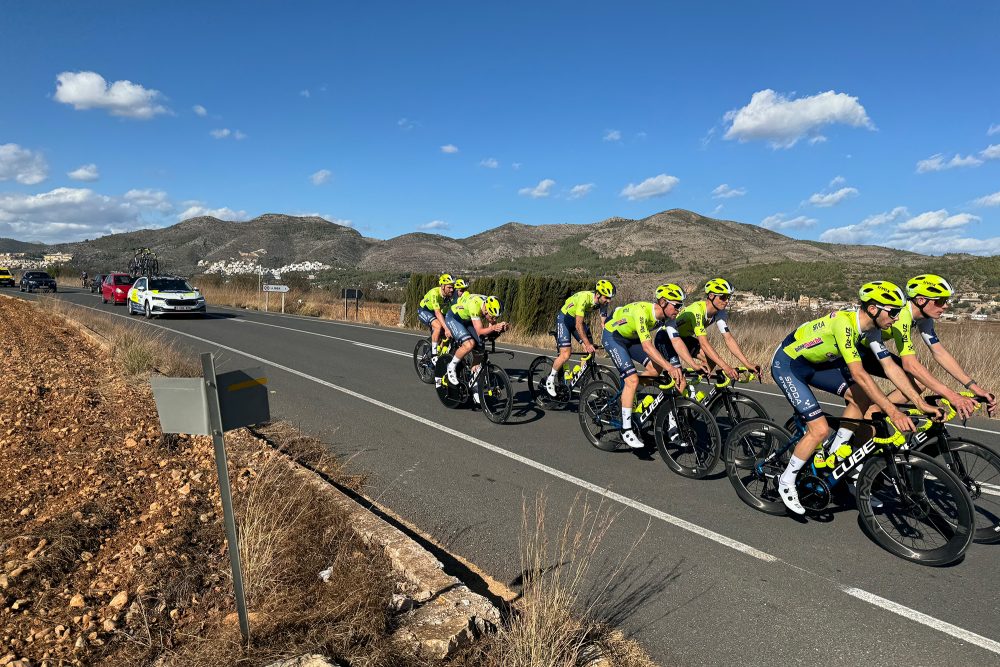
115 287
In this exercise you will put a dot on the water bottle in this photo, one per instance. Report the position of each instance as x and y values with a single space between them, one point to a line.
644 403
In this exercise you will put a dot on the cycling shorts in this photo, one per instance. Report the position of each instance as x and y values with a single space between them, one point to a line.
623 352
566 330
795 377
873 367
426 315
666 348
460 330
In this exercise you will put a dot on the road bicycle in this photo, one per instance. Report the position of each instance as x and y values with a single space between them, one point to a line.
685 432
728 405
909 504
569 383
144 263
423 357
975 464
490 381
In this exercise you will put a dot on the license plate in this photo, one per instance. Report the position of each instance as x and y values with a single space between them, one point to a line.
183 307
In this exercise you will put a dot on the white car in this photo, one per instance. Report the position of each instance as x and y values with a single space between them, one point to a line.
164 295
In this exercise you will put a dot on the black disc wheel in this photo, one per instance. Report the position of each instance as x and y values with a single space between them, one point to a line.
735 408
978 467
422 353
923 514
495 395
687 438
752 470
538 373
600 415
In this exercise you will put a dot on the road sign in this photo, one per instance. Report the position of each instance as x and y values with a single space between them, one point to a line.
351 294
243 398
275 288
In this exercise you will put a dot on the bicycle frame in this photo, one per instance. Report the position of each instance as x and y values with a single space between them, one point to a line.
722 388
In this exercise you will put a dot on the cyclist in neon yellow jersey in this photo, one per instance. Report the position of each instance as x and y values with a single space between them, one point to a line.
461 291
571 322
825 353
627 337
469 314
929 296
690 333
432 308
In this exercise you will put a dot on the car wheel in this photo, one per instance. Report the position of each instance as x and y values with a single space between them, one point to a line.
148 311
103 300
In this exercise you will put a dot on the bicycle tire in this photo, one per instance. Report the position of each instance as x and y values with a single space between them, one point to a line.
610 376
538 372
745 405
937 501
451 396
422 361
495 395
746 448
599 404
978 467
695 451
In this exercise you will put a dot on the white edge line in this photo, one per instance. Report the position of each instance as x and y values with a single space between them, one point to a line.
611 495
924 619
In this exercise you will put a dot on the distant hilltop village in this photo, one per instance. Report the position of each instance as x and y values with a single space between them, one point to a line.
249 264
21 260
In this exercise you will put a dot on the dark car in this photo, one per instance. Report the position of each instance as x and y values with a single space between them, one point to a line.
95 284
37 280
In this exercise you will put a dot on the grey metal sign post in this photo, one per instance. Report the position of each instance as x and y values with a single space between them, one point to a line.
213 405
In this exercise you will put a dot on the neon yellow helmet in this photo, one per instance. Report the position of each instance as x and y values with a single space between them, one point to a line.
446 279
461 284
670 292
930 286
605 288
883 292
718 286
493 306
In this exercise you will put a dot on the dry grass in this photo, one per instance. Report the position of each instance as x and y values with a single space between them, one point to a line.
312 303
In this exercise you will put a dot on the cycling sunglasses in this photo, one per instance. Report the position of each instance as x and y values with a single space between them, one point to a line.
942 301
891 312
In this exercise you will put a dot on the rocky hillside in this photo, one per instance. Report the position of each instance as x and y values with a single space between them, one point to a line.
678 239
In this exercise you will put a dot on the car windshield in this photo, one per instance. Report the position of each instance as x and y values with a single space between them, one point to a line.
39 274
170 284
123 280
4 273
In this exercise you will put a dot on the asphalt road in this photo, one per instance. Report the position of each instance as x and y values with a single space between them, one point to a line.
689 570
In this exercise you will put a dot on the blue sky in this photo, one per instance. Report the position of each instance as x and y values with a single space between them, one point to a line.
864 122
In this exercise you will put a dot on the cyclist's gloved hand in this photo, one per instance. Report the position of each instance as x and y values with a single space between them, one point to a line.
902 422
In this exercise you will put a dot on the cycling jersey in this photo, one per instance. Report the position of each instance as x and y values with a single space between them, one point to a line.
582 304
469 308
693 320
434 300
837 336
634 321
901 331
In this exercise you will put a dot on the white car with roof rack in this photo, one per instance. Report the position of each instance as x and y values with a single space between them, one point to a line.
153 296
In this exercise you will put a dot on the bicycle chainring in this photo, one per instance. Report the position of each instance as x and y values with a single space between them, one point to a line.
814 493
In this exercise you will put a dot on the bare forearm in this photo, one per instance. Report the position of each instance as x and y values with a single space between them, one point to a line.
737 352
950 364
902 382
919 371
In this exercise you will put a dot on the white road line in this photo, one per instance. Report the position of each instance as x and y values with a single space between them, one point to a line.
379 347
924 619
314 333
607 493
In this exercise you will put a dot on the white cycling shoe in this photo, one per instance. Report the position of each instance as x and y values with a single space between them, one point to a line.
790 497
550 386
631 439
452 376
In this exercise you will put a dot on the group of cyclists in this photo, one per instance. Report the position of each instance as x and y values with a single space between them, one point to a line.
839 353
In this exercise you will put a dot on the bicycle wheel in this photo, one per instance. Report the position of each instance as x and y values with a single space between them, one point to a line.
452 396
691 446
600 415
978 467
610 375
494 394
538 372
422 361
736 408
925 515
754 477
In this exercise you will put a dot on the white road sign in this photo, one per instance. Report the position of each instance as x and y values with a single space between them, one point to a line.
275 288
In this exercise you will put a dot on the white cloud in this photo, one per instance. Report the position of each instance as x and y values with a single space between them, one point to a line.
156 200
22 165
320 177
87 172
434 224
197 209
199 110
449 148
938 243
726 192
779 221
938 163
221 133
543 189
824 200
655 186
305 93
489 163
989 200
406 124
612 135
994 129
936 220
582 190
239 136
817 139
783 122
327 217
717 209
89 90
837 180
515 165
863 231
992 152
